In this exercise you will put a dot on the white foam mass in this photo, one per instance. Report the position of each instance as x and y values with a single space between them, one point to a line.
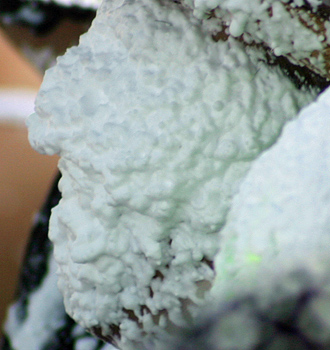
279 220
156 125
284 27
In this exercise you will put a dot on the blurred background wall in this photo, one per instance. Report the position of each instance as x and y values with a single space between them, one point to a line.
25 175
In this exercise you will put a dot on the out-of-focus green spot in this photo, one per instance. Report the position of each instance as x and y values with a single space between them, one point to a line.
254 258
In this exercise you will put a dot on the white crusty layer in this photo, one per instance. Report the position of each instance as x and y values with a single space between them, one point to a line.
156 125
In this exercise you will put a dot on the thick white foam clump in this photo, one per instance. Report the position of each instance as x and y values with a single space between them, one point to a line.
279 220
156 125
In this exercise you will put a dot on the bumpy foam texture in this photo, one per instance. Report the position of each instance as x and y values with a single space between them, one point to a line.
297 30
280 216
156 125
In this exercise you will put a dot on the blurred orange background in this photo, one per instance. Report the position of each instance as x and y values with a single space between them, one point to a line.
25 175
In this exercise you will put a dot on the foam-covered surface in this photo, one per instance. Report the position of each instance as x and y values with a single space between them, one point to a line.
297 30
154 140
280 216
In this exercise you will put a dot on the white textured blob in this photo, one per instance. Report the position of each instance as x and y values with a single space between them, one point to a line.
280 218
156 125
